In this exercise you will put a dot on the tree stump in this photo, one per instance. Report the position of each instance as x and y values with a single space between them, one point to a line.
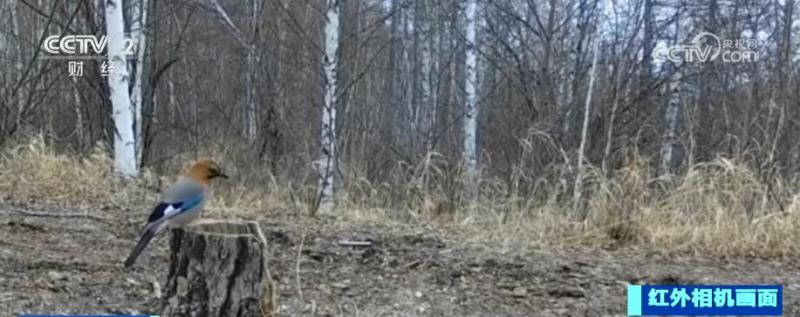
218 268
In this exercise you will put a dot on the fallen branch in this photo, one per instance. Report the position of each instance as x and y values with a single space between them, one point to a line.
351 243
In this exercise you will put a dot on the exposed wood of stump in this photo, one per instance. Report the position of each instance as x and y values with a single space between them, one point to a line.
218 268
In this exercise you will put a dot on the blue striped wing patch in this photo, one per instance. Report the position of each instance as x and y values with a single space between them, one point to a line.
169 210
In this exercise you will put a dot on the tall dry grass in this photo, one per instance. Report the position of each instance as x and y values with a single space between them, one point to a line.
720 208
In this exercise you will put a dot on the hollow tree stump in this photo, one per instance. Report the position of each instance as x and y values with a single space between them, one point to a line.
218 268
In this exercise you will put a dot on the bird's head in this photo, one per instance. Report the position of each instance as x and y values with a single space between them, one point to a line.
205 170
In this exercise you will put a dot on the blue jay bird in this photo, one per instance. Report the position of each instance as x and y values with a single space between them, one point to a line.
180 205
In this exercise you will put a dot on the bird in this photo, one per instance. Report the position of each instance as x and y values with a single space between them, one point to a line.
180 205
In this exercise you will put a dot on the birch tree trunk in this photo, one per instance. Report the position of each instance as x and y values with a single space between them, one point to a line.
327 160
425 106
587 111
394 88
138 21
251 120
671 114
124 142
471 88
671 121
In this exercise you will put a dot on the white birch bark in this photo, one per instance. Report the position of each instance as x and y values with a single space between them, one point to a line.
425 96
138 21
471 88
251 126
587 111
327 161
671 114
671 121
124 142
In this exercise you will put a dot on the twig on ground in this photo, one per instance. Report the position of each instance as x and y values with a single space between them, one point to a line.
297 267
351 243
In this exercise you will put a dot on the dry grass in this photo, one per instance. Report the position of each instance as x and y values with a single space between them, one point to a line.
34 174
721 208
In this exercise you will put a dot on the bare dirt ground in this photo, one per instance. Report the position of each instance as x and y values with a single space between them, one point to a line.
74 265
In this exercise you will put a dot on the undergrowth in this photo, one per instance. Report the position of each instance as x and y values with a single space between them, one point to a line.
720 208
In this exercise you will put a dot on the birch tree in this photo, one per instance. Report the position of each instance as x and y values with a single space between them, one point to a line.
138 21
672 112
471 88
587 111
250 125
123 112
327 160
671 120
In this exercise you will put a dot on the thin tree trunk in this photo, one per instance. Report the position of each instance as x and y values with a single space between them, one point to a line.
139 20
586 115
415 72
471 88
18 63
327 161
124 142
76 97
393 82
614 107
425 106
251 120
671 114
671 119
5 43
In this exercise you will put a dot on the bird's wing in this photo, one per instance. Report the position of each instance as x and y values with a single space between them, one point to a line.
182 196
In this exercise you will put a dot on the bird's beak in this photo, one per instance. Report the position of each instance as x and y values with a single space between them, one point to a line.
222 175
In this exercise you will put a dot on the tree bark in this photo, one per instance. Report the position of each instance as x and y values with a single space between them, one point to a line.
124 137
218 268
578 193
470 153
672 115
330 65
138 23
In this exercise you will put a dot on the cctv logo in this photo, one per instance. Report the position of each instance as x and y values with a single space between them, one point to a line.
84 45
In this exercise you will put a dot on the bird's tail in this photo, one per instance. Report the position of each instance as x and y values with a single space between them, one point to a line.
143 241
